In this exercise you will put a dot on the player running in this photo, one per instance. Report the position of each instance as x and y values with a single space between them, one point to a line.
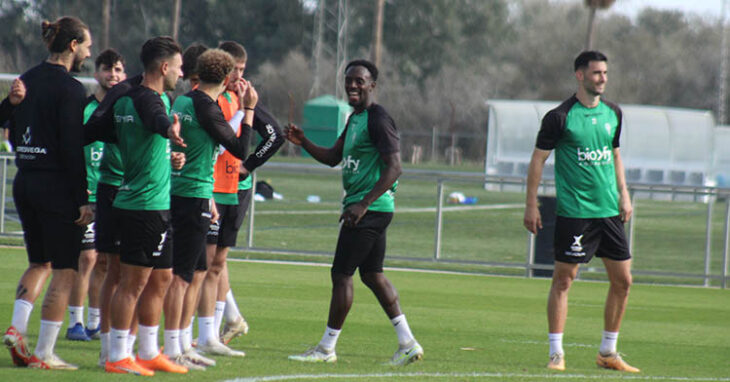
204 128
370 155
109 71
50 187
593 203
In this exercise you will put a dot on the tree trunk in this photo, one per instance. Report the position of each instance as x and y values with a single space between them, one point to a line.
378 33
176 18
591 29
105 20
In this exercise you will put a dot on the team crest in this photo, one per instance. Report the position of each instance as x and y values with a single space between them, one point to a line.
608 128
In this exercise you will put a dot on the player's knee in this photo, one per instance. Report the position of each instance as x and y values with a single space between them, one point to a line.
622 284
87 259
44 267
562 282
341 279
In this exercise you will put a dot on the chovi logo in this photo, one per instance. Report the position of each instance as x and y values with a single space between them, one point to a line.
598 155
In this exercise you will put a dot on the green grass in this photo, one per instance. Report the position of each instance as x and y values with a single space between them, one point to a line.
466 323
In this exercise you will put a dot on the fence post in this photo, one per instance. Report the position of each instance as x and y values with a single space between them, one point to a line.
726 245
708 239
439 221
434 143
530 254
251 211
630 238
3 190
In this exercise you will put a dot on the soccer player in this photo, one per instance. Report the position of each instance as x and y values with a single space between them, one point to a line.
142 125
593 203
109 71
370 155
203 128
232 194
50 187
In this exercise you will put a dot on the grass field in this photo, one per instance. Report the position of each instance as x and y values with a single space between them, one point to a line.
473 328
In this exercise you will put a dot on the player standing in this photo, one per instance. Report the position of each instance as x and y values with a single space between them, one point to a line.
109 71
369 150
593 203
47 131
142 125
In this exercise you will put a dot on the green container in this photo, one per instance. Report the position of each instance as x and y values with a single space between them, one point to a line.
324 120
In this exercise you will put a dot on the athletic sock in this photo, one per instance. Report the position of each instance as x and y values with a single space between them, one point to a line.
172 343
93 318
104 339
21 315
402 330
329 339
148 348
206 330
47 338
75 315
220 307
118 345
608 342
556 343
131 339
231 312
186 337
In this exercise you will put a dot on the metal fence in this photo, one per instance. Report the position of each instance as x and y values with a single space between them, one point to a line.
684 239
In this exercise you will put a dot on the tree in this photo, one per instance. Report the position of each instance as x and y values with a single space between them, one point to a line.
594 5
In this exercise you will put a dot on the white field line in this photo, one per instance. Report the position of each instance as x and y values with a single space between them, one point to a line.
546 343
499 376
505 206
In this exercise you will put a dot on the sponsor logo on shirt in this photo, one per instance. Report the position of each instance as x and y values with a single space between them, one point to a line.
124 118
351 164
96 154
183 117
26 152
586 156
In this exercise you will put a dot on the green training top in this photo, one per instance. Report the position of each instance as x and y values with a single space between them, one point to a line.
583 139
367 136
93 153
141 120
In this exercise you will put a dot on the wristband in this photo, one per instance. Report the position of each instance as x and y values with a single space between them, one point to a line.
247 108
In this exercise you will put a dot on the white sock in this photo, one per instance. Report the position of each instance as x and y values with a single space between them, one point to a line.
556 343
329 339
118 345
186 337
608 342
104 338
148 348
402 330
172 343
21 315
47 338
220 307
206 330
131 339
231 312
93 318
75 315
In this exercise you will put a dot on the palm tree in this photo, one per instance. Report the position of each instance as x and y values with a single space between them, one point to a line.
594 5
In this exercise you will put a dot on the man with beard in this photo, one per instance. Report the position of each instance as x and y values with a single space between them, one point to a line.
109 71
50 189
593 204
142 125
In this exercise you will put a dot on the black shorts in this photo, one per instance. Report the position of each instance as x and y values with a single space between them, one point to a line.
190 222
47 212
146 238
224 232
362 246
87 241
577 240
106 223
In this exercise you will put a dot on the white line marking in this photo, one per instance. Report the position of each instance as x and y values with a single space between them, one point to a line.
546 343
472 375
401 210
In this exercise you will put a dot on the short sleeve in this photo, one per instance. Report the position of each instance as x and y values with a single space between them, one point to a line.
551 130
383 133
